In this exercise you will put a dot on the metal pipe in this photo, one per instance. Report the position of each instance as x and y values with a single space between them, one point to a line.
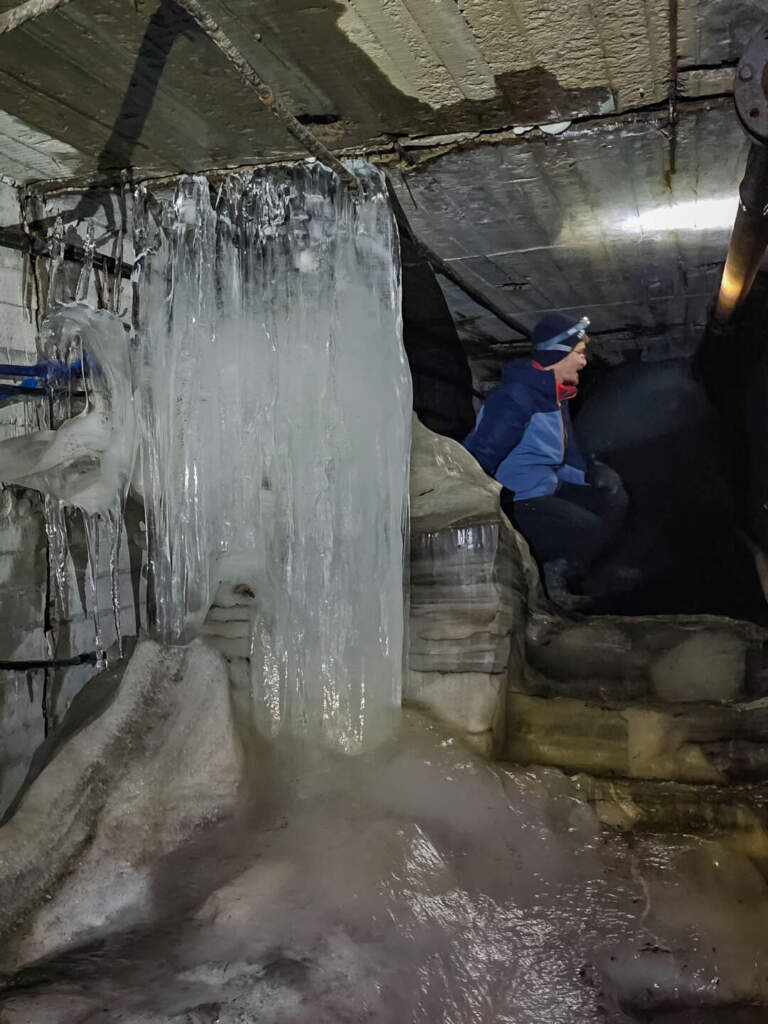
26 12
91 658
34 244
749 237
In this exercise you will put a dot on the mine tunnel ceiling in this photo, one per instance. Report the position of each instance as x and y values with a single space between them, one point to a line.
588 222
549 221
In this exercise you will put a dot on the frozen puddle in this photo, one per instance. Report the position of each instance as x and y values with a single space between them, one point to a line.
419 884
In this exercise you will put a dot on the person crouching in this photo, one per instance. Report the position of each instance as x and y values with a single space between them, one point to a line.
568 510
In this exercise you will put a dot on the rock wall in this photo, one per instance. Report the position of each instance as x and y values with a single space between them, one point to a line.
440 374
684 537
676 698
142 760
33 701
663 718
471 581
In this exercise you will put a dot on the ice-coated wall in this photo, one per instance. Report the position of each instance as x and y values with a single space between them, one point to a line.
275 403
87 462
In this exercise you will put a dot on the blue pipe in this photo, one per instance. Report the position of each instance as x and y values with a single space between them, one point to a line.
48 371
14 370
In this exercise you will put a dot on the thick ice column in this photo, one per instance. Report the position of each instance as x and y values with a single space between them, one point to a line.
275 404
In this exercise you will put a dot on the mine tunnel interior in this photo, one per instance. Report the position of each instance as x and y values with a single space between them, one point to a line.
294 724
683 431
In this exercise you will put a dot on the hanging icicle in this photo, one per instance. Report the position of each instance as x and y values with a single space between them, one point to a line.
275 407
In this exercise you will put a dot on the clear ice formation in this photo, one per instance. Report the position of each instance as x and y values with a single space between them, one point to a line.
85 459
87 462
275 398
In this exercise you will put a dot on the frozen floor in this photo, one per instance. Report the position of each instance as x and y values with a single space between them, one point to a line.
419 884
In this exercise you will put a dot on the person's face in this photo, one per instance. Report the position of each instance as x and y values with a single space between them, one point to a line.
568 369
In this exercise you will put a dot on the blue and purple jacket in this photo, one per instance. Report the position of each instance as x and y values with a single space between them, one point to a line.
523 435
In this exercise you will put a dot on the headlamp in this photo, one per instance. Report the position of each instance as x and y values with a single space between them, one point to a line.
579 329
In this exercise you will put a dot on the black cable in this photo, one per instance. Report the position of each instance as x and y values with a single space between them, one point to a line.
23 666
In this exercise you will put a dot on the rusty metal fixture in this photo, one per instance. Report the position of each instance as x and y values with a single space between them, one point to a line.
749 88
749 237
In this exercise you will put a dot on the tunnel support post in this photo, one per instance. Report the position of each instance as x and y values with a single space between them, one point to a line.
749 237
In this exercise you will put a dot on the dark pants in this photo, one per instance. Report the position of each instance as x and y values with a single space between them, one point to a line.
575 524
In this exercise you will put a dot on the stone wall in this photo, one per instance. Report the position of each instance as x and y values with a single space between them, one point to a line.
470 584
679 699
674 698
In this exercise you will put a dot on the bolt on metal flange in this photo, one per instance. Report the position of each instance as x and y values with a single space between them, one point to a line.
750 89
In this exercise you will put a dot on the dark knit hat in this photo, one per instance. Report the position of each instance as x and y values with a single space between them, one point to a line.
555 335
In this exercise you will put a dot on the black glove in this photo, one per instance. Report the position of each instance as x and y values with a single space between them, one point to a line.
603 477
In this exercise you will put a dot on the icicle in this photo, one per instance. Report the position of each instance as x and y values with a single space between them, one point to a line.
115 520
56 249
91 528
117 277
275 406
84 281
87 460
58 552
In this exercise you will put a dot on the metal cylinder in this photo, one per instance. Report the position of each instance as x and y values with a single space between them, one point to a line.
749 237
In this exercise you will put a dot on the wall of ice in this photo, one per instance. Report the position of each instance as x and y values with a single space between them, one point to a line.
274 405
264 398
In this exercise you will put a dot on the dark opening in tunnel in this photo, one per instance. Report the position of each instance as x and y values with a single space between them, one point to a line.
684 537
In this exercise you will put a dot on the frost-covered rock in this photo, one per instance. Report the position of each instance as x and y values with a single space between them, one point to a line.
88 461
472 581
490 659
703 666
142 760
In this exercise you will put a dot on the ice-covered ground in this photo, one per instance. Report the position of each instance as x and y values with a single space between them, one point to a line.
418 884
